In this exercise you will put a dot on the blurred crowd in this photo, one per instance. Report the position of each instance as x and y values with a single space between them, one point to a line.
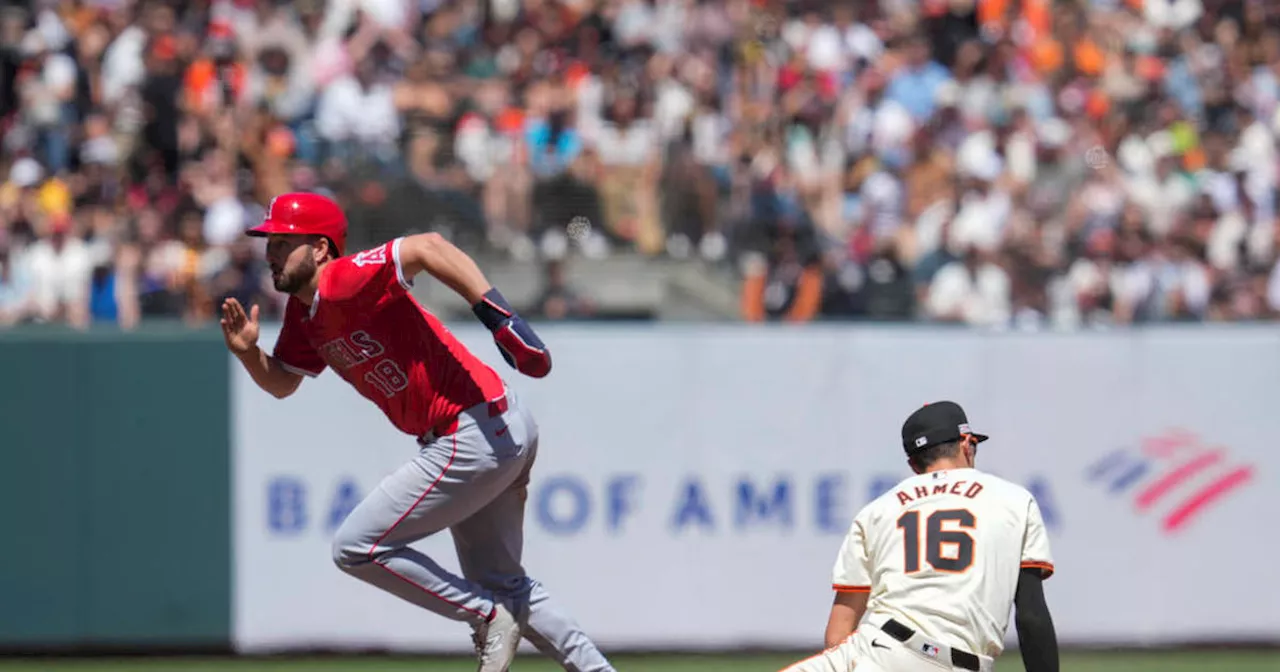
1002 163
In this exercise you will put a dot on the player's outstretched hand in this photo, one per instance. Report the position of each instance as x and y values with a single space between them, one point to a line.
520 347
239 330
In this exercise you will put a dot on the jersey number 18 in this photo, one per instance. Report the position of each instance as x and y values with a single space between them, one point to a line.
945 550
388 377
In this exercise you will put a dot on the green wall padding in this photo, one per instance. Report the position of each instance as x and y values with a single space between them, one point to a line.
114 489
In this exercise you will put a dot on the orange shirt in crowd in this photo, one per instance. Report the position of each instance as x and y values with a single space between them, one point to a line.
202 85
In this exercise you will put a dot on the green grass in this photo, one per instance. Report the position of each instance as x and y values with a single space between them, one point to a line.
1162 661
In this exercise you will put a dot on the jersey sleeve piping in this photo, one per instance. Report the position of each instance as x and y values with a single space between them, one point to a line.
1046 568
407 283
297 370
850 589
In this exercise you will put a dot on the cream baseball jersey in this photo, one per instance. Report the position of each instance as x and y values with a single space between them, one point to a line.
941 552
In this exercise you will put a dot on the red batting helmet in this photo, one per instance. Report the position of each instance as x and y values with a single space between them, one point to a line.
305 214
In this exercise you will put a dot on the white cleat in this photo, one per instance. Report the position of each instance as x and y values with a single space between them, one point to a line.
497 641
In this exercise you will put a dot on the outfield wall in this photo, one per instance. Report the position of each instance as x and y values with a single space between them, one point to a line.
692 487
114 482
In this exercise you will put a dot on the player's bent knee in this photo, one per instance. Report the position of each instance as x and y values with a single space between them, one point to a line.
348 552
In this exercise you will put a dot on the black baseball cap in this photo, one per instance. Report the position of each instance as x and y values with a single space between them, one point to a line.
936 423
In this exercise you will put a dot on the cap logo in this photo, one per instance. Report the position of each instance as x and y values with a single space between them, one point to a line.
964 428
921 440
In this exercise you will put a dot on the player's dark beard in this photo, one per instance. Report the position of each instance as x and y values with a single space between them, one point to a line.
290 282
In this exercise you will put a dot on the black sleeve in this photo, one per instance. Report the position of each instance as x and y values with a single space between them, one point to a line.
1036 637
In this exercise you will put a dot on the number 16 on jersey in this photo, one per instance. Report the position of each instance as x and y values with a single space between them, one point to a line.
947 545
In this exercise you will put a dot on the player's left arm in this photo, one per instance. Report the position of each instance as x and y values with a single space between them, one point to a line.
432 253
846 611
851 579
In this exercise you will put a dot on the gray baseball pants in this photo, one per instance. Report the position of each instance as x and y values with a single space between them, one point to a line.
473 482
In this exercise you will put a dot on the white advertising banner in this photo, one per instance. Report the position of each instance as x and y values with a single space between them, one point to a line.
693 484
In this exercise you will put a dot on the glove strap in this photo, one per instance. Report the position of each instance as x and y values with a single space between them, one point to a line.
492 309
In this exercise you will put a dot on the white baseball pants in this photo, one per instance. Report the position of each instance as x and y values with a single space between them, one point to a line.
870 650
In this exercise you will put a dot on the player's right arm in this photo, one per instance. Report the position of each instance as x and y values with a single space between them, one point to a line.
1037 639
240 331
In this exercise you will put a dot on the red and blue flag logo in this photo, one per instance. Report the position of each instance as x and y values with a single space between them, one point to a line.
1174 475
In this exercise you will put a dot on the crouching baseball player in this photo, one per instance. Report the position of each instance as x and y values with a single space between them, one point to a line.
476 441
928 571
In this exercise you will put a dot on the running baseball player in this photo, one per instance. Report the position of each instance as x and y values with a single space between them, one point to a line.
477 442
928 571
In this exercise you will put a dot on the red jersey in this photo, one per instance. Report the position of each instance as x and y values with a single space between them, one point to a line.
366 326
